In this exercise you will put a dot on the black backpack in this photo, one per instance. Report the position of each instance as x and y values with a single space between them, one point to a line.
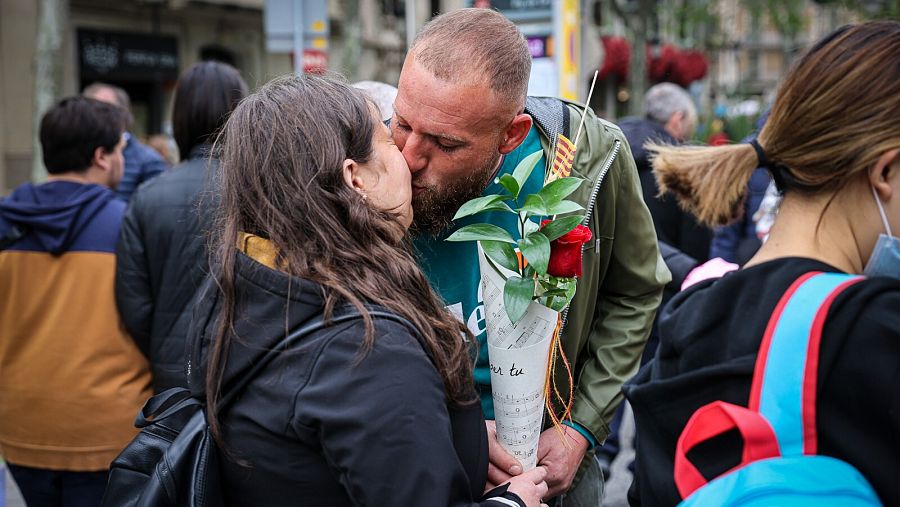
173 461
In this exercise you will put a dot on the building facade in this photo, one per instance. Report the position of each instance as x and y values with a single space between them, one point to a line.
143 45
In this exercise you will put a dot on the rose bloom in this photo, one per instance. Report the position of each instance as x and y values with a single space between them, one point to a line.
565 252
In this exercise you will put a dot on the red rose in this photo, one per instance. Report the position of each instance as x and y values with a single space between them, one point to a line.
565 252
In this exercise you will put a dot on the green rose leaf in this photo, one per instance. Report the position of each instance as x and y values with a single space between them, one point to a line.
536 249
517 294
558 190
481 232
510 184
570 291
558 304
534 205
482 204
554 292
563 207
531 226
526 166
501 253
559 227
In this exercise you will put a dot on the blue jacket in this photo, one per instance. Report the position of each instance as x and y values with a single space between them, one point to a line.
63 216
141 163
738 242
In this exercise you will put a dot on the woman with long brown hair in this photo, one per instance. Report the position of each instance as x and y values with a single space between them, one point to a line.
832 142
367 411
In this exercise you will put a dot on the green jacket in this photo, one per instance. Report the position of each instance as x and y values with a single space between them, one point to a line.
623 277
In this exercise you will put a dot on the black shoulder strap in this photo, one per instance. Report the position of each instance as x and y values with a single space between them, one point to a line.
550 114
15 233
314 325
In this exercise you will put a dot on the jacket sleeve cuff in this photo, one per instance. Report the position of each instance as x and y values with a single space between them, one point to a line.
502 497
592 442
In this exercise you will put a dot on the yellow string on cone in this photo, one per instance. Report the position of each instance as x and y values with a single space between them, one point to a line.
550 389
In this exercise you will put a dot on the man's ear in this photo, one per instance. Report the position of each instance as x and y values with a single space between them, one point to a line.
515 133
883 175
676 125
101 158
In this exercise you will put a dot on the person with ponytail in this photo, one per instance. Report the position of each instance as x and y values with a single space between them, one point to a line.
832 144
315 203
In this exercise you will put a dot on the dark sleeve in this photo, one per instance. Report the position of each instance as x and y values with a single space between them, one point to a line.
666 218
134 298
679 263
859 374
725 241
383 422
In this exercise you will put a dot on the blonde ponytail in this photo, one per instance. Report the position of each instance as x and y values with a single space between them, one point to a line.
708 181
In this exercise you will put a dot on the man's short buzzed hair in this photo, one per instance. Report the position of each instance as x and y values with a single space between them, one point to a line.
469 42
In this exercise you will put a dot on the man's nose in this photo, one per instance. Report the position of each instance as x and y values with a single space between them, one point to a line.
414 151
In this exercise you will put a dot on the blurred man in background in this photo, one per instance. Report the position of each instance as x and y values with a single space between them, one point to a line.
71 380
141 161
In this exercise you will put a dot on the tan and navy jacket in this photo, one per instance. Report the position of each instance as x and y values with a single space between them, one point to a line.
71 380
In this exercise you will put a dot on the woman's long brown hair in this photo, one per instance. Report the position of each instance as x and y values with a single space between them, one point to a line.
835 114
281 155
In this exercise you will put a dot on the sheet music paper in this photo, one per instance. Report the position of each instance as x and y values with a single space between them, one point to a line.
537 324
518 356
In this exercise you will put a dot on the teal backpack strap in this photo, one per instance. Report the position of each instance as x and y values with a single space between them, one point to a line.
786 372
781 413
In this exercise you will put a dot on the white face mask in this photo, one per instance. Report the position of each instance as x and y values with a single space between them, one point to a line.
885 258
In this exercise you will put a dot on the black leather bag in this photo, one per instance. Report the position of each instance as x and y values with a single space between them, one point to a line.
173 461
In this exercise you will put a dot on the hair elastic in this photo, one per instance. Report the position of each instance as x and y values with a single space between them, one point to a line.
760 154
780 174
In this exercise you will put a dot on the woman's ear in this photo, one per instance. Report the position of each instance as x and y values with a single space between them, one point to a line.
351 175
883 175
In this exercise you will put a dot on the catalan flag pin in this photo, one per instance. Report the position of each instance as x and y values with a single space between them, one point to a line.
564 149
563 158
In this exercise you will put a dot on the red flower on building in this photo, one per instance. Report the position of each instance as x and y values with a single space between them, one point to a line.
618 54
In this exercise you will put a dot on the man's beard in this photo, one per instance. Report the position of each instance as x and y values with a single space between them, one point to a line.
433 208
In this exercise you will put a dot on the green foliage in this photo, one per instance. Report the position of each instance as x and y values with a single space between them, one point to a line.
511 185
563 207
533 241
502 253
560 226
558 190
534 205
481 232
517 293
482 204
525 168
535 247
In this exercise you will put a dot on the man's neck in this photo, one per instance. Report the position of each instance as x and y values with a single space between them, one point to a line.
84 177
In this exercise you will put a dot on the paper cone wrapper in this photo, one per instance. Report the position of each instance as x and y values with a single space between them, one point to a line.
518 356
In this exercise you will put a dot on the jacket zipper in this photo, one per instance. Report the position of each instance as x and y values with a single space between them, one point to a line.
617 145
593 200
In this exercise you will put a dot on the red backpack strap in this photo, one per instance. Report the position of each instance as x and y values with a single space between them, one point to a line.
710 421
